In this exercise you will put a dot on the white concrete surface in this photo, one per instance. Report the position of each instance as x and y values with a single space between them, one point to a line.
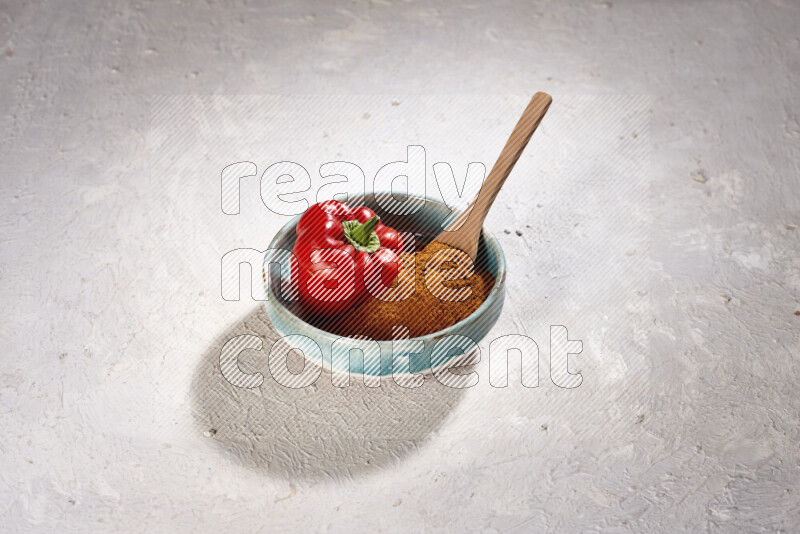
109 273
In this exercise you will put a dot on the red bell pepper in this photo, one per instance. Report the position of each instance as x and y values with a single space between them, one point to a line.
336 250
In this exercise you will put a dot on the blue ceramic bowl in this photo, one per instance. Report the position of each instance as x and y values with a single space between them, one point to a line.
415 355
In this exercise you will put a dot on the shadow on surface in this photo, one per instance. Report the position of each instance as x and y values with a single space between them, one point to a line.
318 432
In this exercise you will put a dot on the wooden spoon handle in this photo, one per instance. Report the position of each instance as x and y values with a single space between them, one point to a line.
465 231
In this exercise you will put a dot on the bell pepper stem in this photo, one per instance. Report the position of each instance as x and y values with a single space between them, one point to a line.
362 232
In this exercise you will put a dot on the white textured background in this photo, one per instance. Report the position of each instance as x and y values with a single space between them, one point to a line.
111 309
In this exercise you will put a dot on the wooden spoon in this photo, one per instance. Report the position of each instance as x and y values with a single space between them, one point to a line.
465 231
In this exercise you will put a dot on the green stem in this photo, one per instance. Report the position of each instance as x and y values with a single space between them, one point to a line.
361 233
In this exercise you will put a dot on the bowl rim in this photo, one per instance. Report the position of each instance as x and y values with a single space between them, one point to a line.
497 288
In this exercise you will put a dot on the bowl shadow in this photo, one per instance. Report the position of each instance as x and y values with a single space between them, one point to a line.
318 432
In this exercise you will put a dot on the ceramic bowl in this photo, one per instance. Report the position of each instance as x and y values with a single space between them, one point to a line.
414 355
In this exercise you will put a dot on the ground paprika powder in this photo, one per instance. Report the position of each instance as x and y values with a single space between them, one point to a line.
423 312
